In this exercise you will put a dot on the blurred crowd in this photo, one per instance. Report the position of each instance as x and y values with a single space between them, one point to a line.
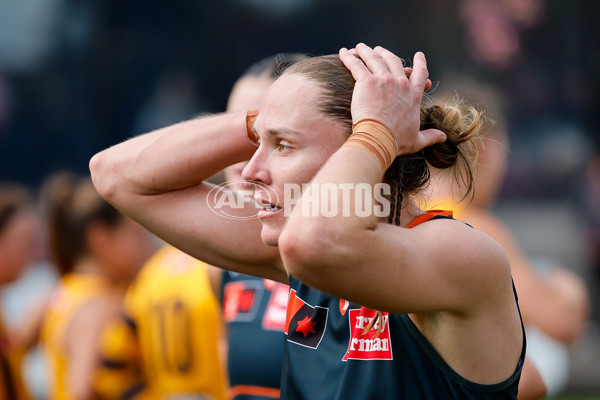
77 77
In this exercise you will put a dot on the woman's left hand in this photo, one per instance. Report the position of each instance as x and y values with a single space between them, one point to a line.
383 92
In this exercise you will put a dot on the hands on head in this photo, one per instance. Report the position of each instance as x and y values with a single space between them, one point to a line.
391 94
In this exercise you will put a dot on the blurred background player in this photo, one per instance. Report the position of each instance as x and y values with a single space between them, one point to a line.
254 309
97 251
18 224
554 302
174 320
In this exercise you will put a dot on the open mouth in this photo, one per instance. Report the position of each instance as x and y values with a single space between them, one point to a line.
265 205
271 207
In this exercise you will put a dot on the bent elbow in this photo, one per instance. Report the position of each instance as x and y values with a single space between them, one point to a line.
103 176
98 174
294 252
301 251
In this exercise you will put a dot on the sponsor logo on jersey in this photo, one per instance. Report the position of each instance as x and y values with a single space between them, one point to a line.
241 300
305 324
368 346
276 311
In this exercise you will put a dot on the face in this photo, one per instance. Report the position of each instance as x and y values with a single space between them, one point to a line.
247 94
295 141
121 249
17 245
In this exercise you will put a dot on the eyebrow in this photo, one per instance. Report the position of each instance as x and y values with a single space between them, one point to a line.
282 131
277 132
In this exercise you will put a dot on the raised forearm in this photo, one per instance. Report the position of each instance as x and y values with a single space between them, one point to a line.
350 174
171 158
334 234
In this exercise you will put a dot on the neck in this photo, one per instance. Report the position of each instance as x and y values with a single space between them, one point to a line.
409 210
441 185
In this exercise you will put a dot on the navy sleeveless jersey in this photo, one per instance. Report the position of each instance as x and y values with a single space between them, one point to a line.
327 356
255 311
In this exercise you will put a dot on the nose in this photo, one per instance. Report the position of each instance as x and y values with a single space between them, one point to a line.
257 168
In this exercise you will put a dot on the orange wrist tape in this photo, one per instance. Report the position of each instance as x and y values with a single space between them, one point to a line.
250 118
376 139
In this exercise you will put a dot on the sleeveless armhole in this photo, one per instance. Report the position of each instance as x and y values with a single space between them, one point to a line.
434 355
524 347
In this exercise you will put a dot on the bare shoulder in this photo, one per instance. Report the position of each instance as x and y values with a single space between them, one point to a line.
473 288
95 312
459 239
469 258
89 319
